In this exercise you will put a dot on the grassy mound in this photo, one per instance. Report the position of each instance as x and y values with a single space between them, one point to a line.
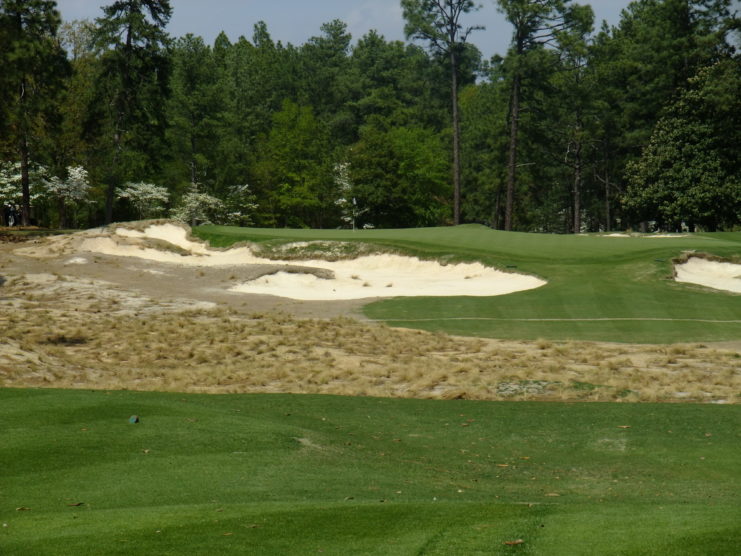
283 474
599 288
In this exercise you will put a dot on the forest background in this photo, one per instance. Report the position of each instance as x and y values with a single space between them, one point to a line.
635 125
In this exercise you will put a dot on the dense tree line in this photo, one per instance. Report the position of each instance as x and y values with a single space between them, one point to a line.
572 130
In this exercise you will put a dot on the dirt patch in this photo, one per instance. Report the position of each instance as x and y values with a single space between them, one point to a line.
12 238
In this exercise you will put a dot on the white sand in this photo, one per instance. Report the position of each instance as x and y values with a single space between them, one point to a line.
390 276
368 276
644 236
712 274
199 253
660 236
170 233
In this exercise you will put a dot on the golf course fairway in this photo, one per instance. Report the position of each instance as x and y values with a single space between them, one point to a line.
297 474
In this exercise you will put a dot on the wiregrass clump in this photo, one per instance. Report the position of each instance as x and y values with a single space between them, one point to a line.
115 343
319 249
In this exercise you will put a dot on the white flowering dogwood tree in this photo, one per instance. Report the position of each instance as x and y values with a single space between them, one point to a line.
147 198
201 208
69 193
74 189
240 205
348 205
10 182
11 189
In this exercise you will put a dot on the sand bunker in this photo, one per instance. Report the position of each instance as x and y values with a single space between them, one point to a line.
367 276
712 274
663 236
390 276
643 236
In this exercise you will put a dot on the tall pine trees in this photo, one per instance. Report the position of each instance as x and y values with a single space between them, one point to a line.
129 106
439 23
33 68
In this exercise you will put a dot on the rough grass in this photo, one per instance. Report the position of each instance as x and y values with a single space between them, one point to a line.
101 342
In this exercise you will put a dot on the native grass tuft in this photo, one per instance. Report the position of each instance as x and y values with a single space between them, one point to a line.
104 343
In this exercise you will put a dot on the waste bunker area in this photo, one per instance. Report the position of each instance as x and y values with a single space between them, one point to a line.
367 276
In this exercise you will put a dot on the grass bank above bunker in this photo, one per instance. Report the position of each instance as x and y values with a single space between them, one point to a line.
600 288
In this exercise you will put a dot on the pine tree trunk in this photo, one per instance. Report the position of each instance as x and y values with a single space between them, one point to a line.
62 213
193 169
111 188
512 162
577 189
608 216
109 203
25 183
23 152
495 216
456 140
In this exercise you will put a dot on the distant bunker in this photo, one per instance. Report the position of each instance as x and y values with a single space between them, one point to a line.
367 276
703 271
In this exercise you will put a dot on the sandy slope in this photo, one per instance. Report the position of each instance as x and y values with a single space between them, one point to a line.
368 276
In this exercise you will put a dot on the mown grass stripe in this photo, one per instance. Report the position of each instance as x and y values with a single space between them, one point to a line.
605 319
385 476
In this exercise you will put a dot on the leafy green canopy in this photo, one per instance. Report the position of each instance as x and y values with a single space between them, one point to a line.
400 176
294 172
690 170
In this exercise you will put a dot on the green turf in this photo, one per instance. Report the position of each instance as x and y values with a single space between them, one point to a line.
290 474
599 288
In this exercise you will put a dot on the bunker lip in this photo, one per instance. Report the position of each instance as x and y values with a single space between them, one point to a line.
368 276
706 270
639 235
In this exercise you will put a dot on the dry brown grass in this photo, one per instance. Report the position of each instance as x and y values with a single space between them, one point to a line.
107 341
66 331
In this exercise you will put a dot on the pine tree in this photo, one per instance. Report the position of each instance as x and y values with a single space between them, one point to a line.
132 87
439 23
536 24
194 111
33 69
